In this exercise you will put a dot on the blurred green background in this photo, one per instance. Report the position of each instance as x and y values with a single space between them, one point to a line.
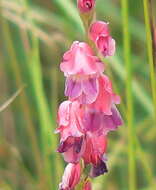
34 35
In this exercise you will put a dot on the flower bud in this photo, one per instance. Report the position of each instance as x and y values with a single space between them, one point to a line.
70 177
85 5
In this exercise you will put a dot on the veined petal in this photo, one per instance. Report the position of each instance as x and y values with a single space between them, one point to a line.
73 88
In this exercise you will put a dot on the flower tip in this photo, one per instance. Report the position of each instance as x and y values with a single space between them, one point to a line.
71 177
85 6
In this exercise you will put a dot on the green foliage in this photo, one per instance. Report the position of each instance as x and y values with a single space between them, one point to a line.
34 36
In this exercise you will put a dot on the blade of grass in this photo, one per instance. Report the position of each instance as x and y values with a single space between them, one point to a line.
129 97
145 162
11 99
150 52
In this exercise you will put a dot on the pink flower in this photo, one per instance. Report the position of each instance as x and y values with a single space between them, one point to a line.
99 33
85 5
80 60
71 177
72 143
79 126
68 114
82 69
87 185
99 123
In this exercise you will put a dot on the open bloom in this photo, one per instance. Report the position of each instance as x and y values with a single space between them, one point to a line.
70 177
81 125
72 139
98 123
82 70
99 33
85 5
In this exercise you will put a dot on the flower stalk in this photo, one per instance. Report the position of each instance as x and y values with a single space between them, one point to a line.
90 112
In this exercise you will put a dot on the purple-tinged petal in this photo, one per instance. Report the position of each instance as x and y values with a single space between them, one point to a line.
111 122
98 169
65 145
73 88
90 86
74 153
92 121
78 145
116 117
90 90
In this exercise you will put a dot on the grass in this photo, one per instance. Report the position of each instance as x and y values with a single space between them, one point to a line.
34 36
129 96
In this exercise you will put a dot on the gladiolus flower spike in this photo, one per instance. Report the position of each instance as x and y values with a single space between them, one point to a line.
90 113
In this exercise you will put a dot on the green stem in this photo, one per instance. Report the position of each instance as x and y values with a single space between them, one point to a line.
150 52
129 97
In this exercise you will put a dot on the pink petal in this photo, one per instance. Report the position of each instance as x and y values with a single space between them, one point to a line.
73 154
106 45
90 90
95 148
111 47
116 117
80 60
98 28
68 115
92 122
70 177
63 113
103 102
73 88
